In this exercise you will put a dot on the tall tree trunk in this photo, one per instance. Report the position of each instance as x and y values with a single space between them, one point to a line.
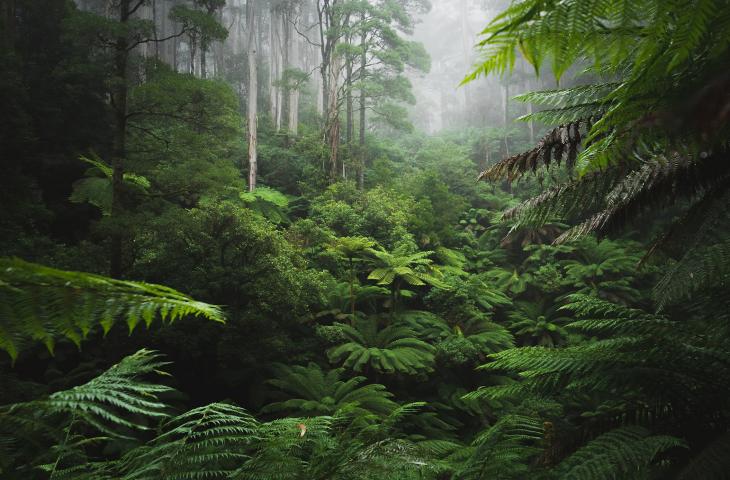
252 95
175 47
193 48
332 131
203 62
294 92
362 150
119 96
283 59
154 29
273 63
350 106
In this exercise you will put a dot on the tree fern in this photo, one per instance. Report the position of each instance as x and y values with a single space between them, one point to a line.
39 303
659 374
637 152
391 349
314 391
96 187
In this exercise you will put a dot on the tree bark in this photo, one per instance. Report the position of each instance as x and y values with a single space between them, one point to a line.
294 92
252 95
203 61
119 96
332 131
350 105
273 63
362 150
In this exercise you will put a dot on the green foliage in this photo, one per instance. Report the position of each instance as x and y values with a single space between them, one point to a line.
199 23
96 187
41 304
314 391
269 203
390 349
205 442
655 365
622 453
504 450
415 269
405 284
106 402
629 164
534 324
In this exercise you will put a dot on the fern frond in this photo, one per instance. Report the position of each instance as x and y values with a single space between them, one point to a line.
623 452
40 303
204 443
117 398
561 141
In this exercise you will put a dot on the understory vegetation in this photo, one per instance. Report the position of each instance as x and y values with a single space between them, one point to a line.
227 253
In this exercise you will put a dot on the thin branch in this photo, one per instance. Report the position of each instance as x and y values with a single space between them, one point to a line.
158 40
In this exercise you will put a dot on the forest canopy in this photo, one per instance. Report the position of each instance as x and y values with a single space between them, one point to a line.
364 239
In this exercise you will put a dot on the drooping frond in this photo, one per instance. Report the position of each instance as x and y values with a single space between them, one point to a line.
621 453
658 184
561 142
118 398
656 134
40 303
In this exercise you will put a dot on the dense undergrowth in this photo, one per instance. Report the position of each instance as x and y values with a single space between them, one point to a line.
403 328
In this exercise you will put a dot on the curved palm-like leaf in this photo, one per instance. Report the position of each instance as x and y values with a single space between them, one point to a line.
415 269
395 348
316 392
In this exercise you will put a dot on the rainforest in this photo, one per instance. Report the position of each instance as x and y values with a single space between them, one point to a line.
364 239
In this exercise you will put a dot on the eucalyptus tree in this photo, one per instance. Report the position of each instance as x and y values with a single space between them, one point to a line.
118 37
400 266
202 29
380 55
252 95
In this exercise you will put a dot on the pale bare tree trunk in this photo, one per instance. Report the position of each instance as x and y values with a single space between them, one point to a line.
273 64
282 59
361 144
252 95
333 117
294 92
